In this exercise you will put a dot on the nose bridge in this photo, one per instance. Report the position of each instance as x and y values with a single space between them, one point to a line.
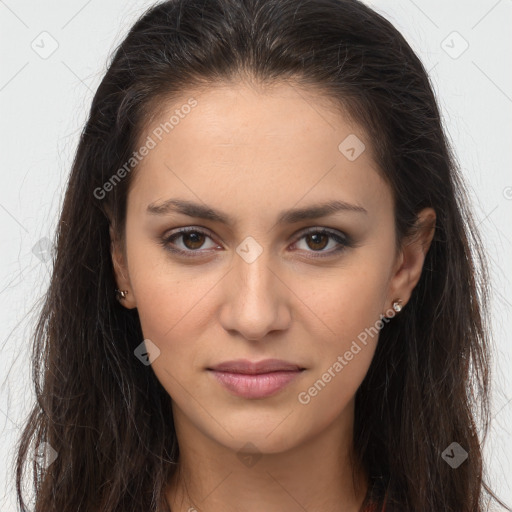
255 301
254 278
252 270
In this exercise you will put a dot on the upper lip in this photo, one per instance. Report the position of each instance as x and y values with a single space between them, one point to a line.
248 367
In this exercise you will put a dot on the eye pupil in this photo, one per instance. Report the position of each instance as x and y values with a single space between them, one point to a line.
193 235
316 239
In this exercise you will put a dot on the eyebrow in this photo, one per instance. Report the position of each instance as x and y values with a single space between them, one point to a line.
290 216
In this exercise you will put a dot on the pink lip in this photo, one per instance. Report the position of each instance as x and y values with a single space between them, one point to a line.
255 380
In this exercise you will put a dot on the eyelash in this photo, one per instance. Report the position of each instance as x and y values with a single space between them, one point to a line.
343 240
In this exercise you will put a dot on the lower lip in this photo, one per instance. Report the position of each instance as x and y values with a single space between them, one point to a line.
255 386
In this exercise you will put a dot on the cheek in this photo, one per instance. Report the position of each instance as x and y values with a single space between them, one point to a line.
172 308
345 327
174 304
346 301
169 295
172 317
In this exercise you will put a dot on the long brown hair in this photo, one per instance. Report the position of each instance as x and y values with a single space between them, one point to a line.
108 418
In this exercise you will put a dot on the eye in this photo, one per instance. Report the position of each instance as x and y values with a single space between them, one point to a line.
319 238
193 239
316 239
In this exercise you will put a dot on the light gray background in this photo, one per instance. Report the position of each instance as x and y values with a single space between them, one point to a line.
44 100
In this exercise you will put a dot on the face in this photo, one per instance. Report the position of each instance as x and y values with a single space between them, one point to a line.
266 277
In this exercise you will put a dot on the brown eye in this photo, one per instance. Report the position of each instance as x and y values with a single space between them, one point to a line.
193 239
316 240
319 241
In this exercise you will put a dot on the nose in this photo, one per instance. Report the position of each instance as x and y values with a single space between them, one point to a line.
256 299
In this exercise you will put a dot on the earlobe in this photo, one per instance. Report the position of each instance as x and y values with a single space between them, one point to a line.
123 292
412 257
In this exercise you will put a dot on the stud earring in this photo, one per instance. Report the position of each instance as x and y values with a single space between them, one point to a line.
121 294
397 305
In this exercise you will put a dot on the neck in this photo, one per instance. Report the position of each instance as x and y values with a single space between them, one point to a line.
316 475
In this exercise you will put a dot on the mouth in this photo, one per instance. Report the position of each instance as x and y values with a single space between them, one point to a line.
244 366
255 380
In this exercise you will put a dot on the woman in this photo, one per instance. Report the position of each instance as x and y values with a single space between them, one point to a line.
269 292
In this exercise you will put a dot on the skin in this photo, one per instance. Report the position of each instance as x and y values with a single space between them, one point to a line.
251 153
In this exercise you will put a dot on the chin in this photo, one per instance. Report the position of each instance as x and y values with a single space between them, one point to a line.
265 437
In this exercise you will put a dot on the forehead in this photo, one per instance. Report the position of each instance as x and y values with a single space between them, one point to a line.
240 141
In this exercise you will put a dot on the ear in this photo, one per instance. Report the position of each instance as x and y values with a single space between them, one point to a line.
407 271
121 271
